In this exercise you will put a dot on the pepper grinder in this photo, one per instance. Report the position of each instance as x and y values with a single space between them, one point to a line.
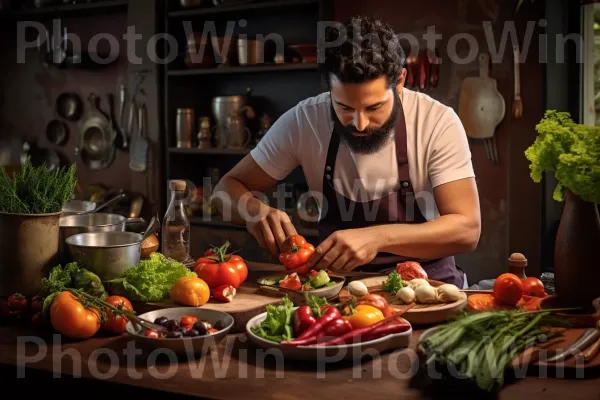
517 264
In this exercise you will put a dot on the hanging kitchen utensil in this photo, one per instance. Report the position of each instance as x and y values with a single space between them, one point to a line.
412 70
482 107
435 66
57 132
69 106
121 140
139 149
517 101
95 142
423 71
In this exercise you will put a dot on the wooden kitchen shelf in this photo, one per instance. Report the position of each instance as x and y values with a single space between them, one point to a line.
245 69
200 11
215 151
69 9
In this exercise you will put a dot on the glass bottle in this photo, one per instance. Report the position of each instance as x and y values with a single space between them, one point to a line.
176 226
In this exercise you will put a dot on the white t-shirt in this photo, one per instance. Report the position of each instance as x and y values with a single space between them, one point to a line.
437 148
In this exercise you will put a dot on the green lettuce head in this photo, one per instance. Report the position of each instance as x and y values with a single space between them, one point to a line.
571 151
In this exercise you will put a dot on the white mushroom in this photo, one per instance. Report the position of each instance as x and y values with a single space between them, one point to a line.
406 295
426 294
448 293
416 283
358 289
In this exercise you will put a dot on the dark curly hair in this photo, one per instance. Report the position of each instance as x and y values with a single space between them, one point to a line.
363 50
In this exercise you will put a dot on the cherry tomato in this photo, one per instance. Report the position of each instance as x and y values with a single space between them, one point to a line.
508 289
188 321
151 333
37 304
532 286
17 302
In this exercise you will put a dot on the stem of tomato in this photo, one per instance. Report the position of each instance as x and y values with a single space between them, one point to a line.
99 302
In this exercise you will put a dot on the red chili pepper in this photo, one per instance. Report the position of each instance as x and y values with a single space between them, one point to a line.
224 293
311 335
368 333
303 319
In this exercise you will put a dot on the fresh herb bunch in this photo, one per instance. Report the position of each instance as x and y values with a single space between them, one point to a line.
393 283
36 190
572 151
480 346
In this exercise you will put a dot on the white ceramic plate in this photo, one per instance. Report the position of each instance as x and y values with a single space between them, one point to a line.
333 353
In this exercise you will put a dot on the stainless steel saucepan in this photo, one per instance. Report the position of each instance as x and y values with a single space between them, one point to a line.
108 254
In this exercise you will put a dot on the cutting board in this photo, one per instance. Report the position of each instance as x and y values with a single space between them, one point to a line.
419 314
248 302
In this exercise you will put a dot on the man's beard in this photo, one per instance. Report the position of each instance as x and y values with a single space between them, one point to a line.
375 139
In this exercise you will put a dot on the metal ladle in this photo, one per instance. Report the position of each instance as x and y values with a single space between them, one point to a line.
110 202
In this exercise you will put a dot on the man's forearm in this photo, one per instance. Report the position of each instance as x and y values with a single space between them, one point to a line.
234 201
445 236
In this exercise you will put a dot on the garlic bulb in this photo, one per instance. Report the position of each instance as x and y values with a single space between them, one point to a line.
416 283
358 289
448 293
406 295
426 294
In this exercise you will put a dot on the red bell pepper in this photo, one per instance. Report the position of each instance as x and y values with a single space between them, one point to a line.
337 327
311 335
296 252
303 319
224 293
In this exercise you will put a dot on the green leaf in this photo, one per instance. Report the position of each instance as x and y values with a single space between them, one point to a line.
393 283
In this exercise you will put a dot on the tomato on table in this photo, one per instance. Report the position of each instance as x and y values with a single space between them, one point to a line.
190 291
508 289
532 286
219 268
71 318
116 323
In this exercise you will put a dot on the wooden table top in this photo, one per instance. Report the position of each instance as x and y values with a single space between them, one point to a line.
236 368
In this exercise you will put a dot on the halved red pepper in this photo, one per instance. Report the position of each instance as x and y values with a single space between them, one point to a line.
291 282
224 293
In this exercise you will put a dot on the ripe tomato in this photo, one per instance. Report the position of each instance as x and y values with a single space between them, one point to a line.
116 323
240 266
151 333
71 318
190 291
532 286
508 289
215 274
37 303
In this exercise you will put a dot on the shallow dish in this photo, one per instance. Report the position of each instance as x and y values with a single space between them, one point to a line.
187 345
333 353
329 292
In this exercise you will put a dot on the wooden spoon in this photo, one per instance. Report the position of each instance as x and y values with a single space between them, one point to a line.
517 101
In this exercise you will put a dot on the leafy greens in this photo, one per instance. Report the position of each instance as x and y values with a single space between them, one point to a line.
152 279
277 326
572 151
393 283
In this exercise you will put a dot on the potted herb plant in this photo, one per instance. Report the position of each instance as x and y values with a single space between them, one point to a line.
30 206
572 152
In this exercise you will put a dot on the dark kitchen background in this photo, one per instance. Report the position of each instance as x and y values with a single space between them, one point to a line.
518 215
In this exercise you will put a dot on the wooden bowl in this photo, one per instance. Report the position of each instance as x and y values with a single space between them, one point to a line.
578 320
420 314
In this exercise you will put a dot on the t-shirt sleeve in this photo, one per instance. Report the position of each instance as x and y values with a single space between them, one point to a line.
276 153
450 157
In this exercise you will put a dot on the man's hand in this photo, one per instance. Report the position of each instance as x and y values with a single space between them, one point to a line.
345 250
270 228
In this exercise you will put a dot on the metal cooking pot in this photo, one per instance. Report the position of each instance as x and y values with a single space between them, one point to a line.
107 254
95 222
77 206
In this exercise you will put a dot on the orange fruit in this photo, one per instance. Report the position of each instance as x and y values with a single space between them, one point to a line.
190 291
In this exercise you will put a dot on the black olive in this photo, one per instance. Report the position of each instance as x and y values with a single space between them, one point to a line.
162 321
174 335
219 325
183 330
200 327
172 325
192 333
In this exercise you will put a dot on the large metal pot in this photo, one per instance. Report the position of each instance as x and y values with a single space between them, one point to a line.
107 254
94 222
77 207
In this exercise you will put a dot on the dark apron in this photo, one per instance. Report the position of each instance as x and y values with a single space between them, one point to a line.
396 207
